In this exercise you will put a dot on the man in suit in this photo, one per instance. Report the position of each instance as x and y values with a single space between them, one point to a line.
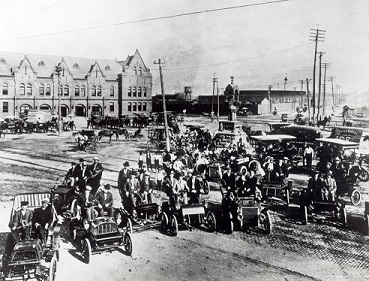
22 221
42 218
124 175
83 174
230 180
104 199
84 202
194 186
131 187
169 183
96 170
72 175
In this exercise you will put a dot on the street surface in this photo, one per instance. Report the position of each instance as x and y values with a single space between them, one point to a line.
321 250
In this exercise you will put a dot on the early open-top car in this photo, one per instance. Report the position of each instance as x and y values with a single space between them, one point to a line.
97 234
31 257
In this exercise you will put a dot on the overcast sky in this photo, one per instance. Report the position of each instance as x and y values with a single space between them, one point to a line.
257 45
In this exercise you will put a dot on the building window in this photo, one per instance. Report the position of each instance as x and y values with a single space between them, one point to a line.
99 91
48 90
29 89
66 90
135 71
140 72
134 92
76 91
5 107
5 89
93 91
129 106
41 90
112 91
130 91
22 89
134 107
139 92
111 107
144 92
60 92
144 106
139 107
83 91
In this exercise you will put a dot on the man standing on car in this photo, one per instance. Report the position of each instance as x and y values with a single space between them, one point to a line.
124 175
42 218
96 170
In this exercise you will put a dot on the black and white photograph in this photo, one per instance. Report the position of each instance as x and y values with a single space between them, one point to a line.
184 140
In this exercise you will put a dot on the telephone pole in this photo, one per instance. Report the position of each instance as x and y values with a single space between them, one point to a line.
316 35
160 62
320 83
270 99
325 65
308 96
333 99
302 88
212 101
218 101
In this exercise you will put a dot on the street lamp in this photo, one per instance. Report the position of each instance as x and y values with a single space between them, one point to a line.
58 70
285 82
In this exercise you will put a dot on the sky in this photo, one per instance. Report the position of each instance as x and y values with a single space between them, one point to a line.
259 45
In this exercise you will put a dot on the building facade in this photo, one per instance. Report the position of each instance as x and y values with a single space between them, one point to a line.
86 86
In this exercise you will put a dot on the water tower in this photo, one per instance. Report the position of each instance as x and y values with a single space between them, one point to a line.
188 92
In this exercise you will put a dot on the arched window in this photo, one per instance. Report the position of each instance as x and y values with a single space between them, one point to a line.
22 89
29 89
134 107
144 106
139 107
144 91
76 91
140 72
135 70
129 106
99 91
66 90
48 90
134 91
41 90
111 106
112 91
5 89
83 91
130 91
93 91
139 91
60 92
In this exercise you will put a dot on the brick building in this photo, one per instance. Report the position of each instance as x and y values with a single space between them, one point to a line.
87 86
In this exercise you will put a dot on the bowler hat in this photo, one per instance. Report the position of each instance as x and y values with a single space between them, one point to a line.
107 186
24 203
81 160
45 200
96 158
126 164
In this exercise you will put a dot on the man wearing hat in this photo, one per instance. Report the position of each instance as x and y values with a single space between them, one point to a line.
104 200
229 179
83 174
72 175
42 218
84 201
22 221
124 175
146 187
96 170
330 187
131 187
194 186
315 187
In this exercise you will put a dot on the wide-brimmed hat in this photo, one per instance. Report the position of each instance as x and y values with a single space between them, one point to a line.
147 173
88 187
107 186
96 158
73 163
81 160
24 203
126 164
45 200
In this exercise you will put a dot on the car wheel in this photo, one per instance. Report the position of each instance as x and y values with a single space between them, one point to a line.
127 241
305 215
86 250
355 197
363 175
173 225
164 222
267 223
129 227
211 221
52 269
344 217
206 187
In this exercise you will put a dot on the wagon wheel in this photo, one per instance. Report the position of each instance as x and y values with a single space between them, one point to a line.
127 242
86 250
355 197
164 222
267 222
52 269
173 226
363 175
211 221
304 215
129 227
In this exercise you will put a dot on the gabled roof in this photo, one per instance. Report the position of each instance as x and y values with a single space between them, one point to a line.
13 60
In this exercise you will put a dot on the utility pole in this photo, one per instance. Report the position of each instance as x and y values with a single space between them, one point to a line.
212 101
58 70
333 99
308 96
270 99
285 82
325 65
320 83
302 88
160 62
218 101
316 35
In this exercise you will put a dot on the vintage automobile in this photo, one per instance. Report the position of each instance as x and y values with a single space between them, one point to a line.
185 215
32 258
237 213
329 149
145 216
302 133
98 234
346 133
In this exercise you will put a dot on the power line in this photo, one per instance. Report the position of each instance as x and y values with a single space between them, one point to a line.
35 11
147 20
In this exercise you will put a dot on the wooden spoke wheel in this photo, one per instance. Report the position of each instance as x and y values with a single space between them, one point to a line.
86 250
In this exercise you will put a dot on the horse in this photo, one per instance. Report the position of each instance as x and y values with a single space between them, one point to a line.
119 132
324 122
105 133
